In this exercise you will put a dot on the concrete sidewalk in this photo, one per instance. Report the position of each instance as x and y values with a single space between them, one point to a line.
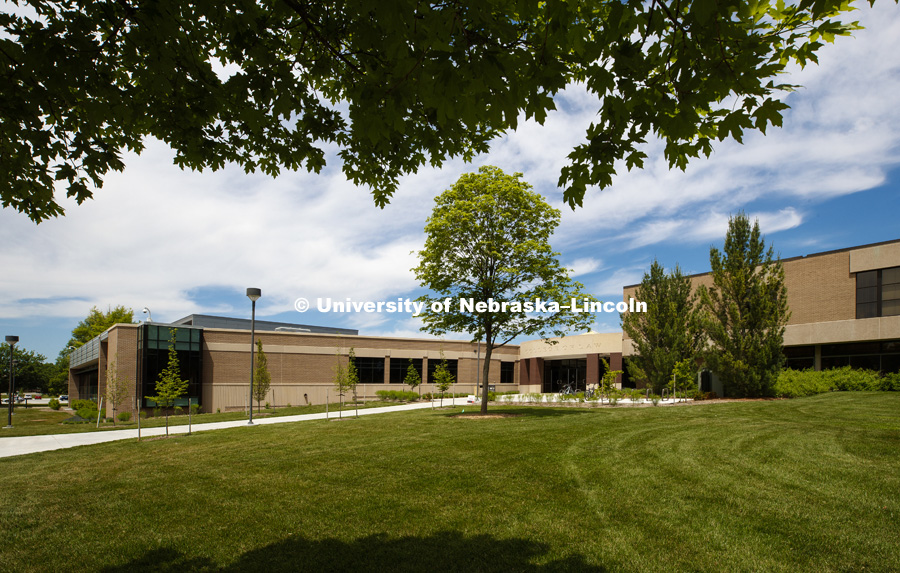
20 445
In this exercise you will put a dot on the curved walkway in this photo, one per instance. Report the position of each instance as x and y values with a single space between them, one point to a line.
21 445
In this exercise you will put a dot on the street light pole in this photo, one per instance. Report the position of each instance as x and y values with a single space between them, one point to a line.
253 294
11 340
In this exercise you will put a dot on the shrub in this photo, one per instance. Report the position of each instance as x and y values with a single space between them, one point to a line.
289 405
87 413
397 395
54 404
83 404
178 411
143 414
654 398
124 416
195 408
267 406
799 383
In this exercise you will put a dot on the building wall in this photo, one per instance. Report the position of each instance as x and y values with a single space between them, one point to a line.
302 365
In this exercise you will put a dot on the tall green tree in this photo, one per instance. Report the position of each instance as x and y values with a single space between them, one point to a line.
392 85
488 239
670 330
97 322
262 380
170 386
745 311
31 370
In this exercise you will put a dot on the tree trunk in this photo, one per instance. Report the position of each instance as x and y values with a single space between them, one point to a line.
485 370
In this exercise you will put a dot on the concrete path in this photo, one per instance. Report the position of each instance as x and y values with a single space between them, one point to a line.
20 445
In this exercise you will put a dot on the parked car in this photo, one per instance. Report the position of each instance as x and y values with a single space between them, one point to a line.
29 396
63 398
38 396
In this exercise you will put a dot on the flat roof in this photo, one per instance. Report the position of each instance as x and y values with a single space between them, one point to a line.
209 321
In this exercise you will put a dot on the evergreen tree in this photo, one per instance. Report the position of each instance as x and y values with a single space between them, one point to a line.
670 329
170 386
262 380
745 311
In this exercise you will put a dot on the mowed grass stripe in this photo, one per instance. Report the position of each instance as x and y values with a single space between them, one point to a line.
807 484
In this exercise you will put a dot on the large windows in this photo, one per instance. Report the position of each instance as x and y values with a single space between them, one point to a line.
884 356
370 370
878 293
399 366
154 340
433 364
800 357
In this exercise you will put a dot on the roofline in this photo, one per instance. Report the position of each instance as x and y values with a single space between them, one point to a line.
798 257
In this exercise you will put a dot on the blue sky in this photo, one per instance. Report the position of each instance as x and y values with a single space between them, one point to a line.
182 242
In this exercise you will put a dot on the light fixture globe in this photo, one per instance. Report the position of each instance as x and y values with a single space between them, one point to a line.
11 340
254 294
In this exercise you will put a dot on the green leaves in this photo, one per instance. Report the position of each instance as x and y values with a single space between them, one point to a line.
393 85
488 238
745 311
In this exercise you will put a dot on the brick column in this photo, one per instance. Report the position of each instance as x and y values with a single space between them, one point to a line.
615 363
592 377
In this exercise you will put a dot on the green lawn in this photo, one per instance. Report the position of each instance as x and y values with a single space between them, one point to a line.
40 421
811 484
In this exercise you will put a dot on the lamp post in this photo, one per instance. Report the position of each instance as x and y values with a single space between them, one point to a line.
11 340
147 312
253 294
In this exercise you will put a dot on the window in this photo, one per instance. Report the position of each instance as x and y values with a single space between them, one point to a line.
399 366
433 364
878 293
507 372
370 370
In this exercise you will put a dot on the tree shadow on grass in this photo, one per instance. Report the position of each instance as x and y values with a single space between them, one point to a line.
439 552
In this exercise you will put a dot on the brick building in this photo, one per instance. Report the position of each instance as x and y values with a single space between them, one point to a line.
845 310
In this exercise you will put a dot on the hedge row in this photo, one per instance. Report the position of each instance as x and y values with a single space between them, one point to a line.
797 383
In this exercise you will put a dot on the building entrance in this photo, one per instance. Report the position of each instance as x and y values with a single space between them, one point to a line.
559 374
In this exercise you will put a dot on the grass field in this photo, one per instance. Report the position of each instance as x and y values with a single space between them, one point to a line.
41 421
811 484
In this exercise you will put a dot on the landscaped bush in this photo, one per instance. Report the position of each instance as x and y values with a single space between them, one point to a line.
87 413
798 383
54 404
124 416
81 404
195 409
397 395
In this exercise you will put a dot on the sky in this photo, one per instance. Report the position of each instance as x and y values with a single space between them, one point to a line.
180 242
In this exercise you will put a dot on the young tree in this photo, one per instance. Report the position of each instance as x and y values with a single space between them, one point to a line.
352 374
443 378
413 380
341 381
745 311
670 329
392 85
170 386
118 387
261 378
488 240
